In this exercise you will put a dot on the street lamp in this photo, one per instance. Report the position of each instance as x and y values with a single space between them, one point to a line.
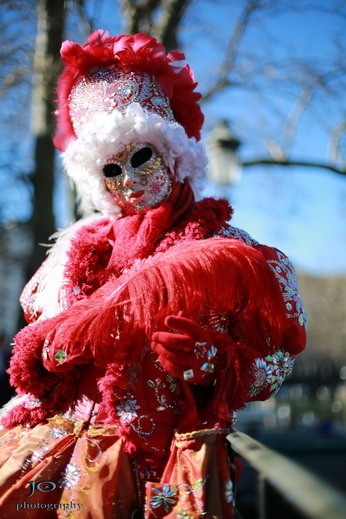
222 146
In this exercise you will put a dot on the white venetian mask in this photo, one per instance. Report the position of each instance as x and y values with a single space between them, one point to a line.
137 177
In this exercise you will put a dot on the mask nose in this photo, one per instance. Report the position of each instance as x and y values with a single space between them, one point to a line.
130 181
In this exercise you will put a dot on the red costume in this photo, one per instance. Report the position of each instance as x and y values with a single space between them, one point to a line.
148 329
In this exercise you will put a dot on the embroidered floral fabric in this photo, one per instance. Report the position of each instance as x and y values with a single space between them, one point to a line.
270 372
187 492
285 274
237 234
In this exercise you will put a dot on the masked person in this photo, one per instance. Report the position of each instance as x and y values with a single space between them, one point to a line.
152 321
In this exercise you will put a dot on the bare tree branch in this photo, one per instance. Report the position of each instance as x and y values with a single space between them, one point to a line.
275 150
14 77
293 119
335 139
166 28
222 80
289 162
87 22
138 16
131 16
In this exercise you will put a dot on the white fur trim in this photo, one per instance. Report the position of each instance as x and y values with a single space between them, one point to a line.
49 279
107 134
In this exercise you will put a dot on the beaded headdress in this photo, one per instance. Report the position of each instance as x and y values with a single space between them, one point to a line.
116 90
112 72
111 89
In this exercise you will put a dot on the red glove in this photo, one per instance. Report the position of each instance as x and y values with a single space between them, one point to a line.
185 350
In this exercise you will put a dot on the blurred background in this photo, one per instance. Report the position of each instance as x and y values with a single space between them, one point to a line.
273 77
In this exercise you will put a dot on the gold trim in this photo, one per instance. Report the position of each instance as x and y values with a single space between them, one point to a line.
203 432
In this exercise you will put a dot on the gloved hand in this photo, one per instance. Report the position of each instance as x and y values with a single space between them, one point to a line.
185 350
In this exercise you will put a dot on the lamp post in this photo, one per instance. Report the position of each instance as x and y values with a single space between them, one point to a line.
222 146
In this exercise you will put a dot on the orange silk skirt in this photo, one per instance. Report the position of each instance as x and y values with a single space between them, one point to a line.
61 469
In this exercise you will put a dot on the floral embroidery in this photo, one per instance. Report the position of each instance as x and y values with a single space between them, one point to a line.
185 500
172 382
285 274
164 496
186 491
229 493
58 432
127 410
32 403
282 363
70 476
282 366
159 385
144 427
237 234
271 371
218 322
262 375
209 365
60 356
234 417
39 453
148 473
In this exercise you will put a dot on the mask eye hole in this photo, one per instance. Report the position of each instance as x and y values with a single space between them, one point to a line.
112 170
141 156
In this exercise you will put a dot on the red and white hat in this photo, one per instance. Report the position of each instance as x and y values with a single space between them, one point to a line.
122 89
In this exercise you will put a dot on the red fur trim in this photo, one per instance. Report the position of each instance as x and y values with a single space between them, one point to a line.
105 248
29 376
21 415
114 377
204 220
26 370
138 52
88 257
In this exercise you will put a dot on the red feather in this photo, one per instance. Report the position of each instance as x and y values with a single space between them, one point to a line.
222 274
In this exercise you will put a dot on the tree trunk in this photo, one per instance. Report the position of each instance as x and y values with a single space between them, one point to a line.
50 26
